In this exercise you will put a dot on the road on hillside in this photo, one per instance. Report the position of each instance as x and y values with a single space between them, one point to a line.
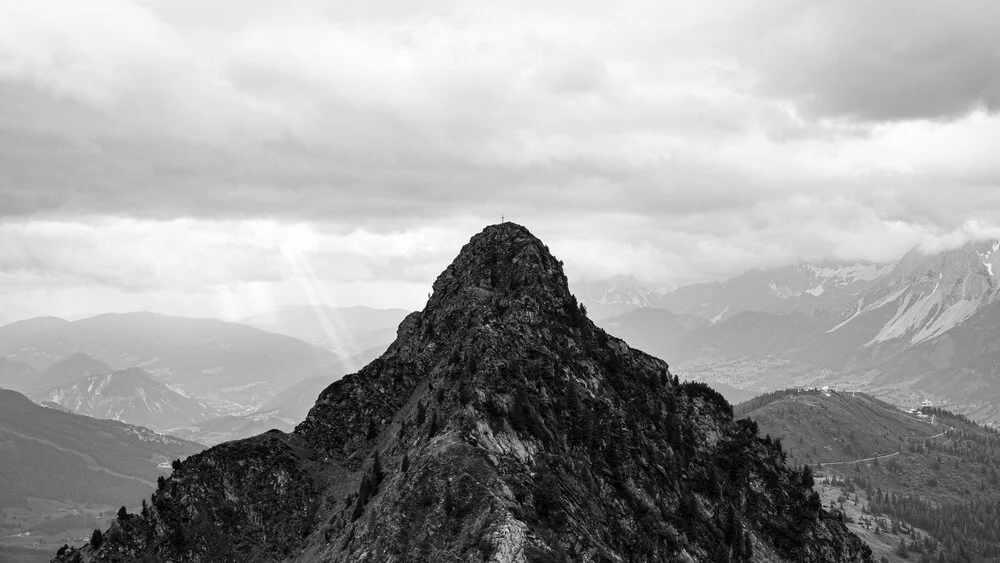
883 456
860 460
91 462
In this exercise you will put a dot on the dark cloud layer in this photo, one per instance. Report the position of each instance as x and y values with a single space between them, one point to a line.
879 61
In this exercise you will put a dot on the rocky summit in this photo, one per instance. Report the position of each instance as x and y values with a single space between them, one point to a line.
501 425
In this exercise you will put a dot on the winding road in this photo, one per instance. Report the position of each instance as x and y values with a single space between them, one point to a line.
897 452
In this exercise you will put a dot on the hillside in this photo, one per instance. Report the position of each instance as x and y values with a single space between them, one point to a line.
226 364
904 471
61 473
130 396
57 455
501 424
14 374
13 334
819 427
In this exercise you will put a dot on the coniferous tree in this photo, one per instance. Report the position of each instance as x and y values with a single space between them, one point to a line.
807 477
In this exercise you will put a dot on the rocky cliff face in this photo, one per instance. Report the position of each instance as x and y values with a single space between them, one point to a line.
501 425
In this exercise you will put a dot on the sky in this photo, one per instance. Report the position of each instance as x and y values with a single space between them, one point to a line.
222 158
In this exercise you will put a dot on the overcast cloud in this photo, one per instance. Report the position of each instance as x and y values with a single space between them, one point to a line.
171 153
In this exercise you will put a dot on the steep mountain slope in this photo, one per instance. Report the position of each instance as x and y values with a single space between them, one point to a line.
793 288
130 396
344 330
939 476
501 424
213 360
48 454
927 327
928 295
614 296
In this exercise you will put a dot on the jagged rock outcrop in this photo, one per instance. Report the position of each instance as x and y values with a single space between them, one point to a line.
501 425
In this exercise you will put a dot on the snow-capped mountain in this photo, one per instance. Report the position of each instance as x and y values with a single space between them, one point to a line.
131 396
841 277
791 288
925 296
928 324
614 296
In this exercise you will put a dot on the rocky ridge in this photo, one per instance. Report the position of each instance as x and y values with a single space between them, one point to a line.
501 425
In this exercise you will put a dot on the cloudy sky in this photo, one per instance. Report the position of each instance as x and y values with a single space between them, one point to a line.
220 157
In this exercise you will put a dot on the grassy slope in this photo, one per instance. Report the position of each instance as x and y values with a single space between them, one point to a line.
817 427
953 467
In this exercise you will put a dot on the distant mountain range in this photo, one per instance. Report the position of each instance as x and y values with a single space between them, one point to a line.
925 326
283 412
228 366
130 395
50 454
614 296
344 330
792 288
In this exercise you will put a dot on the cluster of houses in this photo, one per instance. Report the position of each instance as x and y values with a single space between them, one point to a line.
917 411
826 389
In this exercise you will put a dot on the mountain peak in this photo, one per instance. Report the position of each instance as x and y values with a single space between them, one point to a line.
502 259
501 425
504 275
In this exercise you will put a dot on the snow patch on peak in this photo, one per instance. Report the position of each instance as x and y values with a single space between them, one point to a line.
850 273
816 291
718 317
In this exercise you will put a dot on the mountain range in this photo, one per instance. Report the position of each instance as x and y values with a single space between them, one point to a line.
923 327
228 366
345 330
614 296
129 395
